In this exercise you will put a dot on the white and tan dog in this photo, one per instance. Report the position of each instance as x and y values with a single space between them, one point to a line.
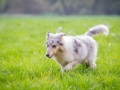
70 50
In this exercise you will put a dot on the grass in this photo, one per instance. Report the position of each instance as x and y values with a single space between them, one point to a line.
23 65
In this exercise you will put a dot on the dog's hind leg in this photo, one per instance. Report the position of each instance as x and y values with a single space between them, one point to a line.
91 58
91 61
92 65
70 65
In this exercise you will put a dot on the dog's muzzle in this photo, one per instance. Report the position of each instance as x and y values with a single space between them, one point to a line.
48 55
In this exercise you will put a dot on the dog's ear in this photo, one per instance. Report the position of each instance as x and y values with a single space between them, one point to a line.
60 35
48 34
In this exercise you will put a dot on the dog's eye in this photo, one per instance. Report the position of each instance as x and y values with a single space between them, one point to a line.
57 41
54 46
47 45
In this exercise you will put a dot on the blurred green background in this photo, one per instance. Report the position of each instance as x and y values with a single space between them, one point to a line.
60 7
23 28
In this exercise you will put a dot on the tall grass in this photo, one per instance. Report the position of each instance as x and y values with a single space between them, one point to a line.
23 65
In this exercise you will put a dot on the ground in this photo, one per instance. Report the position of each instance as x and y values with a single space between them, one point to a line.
24 66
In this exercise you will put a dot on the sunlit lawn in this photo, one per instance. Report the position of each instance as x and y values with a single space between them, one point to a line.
23 65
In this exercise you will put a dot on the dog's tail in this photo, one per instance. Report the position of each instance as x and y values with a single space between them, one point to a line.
97 30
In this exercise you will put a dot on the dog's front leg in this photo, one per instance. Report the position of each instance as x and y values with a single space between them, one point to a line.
70 65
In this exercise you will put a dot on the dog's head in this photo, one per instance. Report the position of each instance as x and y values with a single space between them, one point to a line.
53 43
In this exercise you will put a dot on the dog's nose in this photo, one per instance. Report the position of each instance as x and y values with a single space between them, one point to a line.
47 55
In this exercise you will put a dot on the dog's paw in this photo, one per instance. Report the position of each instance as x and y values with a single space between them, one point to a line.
68 67
62 69
93 65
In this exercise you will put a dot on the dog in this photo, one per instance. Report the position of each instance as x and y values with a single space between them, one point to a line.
71 50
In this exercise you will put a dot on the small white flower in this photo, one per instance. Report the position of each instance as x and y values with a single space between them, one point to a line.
112 34
59 29
109 44
85 24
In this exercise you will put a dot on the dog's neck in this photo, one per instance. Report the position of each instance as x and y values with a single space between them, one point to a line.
61 47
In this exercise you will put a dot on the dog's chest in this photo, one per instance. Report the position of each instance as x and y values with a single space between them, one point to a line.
64 57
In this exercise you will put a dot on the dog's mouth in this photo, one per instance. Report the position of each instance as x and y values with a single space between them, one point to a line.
51 56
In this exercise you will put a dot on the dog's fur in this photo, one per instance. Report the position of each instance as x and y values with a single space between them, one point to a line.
70 50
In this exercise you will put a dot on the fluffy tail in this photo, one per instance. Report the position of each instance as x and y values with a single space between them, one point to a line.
97 30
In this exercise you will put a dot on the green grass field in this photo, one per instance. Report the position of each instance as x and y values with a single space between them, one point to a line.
24 66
